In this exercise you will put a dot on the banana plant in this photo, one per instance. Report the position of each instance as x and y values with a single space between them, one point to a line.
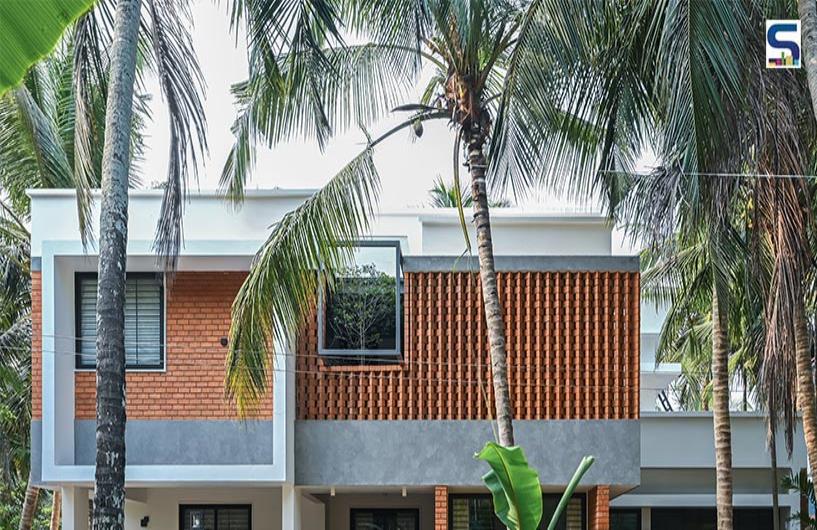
29 31
515 487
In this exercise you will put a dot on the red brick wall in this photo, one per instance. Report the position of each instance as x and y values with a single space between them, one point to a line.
441 508
572 342
192 386
598 508
36 345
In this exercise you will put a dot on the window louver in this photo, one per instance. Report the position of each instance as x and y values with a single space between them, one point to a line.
143 321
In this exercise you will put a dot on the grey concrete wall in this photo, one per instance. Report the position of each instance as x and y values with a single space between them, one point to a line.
523 263
36 431
686 440
429 452
184 442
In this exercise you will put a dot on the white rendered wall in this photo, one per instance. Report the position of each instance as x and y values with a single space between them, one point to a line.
162 505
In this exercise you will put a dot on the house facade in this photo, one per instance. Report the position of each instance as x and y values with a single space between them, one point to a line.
376 407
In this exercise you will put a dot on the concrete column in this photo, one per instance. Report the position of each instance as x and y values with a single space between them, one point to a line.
598 508
441 508
75 513
290 507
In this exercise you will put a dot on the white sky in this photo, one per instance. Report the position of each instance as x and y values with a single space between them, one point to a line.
407 167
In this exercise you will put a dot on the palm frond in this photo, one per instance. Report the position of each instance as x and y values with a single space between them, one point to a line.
326 93
182 83
304 251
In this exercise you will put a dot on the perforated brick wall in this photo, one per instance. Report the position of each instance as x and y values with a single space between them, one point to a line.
192 385
572 342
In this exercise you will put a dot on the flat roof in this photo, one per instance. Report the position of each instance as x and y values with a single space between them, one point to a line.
249 194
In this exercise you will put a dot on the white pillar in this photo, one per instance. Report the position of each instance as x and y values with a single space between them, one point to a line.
75 512
290 507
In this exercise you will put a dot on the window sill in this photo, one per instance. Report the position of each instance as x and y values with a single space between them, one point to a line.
397 367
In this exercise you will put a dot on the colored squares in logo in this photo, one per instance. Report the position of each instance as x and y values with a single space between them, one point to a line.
783 44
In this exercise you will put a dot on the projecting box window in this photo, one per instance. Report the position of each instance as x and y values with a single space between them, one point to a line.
144 321
360 315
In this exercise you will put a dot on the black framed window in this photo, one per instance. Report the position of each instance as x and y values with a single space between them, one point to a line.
625 519
384 519
476 512
360 314
706 518
215 517
144 320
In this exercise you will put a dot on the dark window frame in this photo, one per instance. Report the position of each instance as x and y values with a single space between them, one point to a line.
216 508
416 512
452 496
78 364
395 353
636 511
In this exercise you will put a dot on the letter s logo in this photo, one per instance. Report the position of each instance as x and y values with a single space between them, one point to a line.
783 44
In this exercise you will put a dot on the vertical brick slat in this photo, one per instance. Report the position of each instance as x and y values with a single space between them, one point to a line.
572 352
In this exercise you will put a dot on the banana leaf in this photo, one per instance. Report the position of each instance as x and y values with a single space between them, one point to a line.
29 30
514 486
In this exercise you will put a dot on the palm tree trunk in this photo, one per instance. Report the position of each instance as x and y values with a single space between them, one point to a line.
805 383
56 507
807 9
775 482
29 506
720 414
490 293
109 496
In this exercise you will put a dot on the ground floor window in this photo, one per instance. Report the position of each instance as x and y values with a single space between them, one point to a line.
215 517
706 518
385 519
476 512
625 519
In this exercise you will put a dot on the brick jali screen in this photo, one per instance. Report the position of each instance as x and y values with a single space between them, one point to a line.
573 343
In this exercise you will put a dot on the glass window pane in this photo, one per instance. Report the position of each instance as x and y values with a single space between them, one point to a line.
625 519
198 519
360 309
384 519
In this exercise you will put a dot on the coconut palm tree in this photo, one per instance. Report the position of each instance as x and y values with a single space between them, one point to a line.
109 476
37 139
105 45
498 75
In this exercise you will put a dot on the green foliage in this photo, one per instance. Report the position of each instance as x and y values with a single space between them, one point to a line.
514 486
29 31
803 485
360 308
11 503
584 465
444 195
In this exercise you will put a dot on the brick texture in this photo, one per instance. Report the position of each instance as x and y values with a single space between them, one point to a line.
192 386
441 508
36 345
572 341
598 508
